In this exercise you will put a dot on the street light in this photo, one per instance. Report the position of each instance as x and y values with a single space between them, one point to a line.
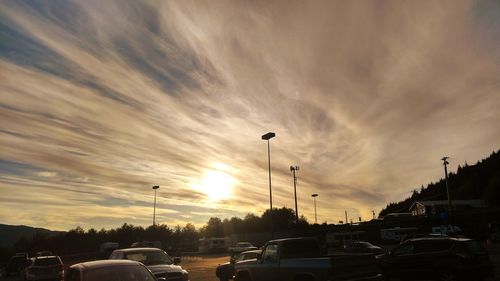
293 169
155 187
267 137
315 216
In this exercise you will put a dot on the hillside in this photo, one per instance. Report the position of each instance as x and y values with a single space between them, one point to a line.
478 181
10 234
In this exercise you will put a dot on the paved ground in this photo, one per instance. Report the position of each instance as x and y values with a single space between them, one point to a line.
203 268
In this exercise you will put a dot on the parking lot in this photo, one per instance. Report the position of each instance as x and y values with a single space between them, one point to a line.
202 268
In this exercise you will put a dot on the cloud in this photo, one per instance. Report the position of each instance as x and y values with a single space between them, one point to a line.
100 101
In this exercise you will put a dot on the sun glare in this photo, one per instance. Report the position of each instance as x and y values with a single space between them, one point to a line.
217 185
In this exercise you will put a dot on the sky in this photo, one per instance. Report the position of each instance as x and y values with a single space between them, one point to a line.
101 100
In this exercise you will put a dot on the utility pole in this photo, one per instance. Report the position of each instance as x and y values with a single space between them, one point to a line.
346 222
293 169
445 164
373 212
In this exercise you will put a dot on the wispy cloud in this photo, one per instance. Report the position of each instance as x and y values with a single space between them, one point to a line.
102 100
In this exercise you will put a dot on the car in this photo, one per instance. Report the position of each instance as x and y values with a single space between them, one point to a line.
441 258
225 271
44 268
363 247
110 270
241 247
156 260
16 264
303 259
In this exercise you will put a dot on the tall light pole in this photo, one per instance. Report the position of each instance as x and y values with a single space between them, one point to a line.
267 137
293 169
155 187
445 163
315 216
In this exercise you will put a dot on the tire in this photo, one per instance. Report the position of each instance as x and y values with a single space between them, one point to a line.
242 276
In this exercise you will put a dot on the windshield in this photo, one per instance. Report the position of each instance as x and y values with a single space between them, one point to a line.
122 273
150 257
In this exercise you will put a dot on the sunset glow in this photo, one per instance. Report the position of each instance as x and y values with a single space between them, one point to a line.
100 100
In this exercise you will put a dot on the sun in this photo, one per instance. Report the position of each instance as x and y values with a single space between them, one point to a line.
217 185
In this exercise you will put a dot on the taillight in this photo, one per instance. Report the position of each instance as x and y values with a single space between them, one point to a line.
61 267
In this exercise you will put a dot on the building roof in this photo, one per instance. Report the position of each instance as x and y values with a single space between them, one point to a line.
471 203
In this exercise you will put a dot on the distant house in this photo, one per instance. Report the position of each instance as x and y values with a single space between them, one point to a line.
432 208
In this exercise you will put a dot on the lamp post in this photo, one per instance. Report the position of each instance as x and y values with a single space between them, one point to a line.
315 216
155 187
267 137
293 169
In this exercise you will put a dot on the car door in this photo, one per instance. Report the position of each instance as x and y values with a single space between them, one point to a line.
268 267
400 262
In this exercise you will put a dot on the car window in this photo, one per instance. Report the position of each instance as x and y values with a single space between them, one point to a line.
47 261
248 256
116 255
405 249
474 247
239 257
270 254
426 246
150 257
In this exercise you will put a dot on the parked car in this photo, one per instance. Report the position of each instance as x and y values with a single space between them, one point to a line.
110 270
363 247
241 247
302 259
156 260
106 248
44 268
16 264
442 258
225 271
149 244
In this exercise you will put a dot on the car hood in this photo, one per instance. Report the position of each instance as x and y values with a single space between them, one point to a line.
160 268
224 265
246 263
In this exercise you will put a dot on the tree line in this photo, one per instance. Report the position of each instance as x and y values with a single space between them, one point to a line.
478 181
174 239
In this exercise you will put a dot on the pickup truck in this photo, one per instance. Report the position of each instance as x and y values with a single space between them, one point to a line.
301 259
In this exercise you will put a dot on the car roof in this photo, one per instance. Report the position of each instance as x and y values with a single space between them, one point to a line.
45 257
440 239
292 239
252 251
143 249
104 263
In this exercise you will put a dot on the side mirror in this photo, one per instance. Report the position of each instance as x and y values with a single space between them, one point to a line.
177 260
